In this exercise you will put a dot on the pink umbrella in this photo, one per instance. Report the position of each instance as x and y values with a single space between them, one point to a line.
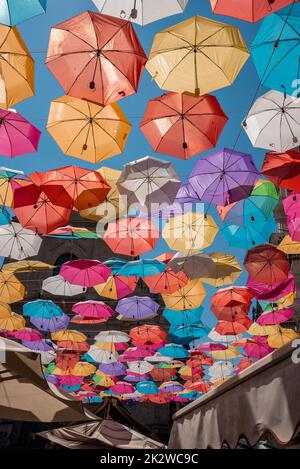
272 292
291 207
210 347
122 388
17 135
84 272
93 309
27 334
133 354
275 317
70 380
257 349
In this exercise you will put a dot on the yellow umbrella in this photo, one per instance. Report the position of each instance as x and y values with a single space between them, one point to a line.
68 335
288 246
11 289
86 130
190 232
229 353
16 68
198 55
185 371
107 346
103 380
5 310
256 329
26 266
281 337
83 369
59 372
188 297
14 322
227 270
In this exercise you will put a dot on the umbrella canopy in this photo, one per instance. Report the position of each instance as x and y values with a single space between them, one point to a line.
68 335
93 309
250 10
167 281
188 297
85 63
116 286
42 309
230 313
26 266
292 211
198 55
273 122
226 270
233 327
51 324
141 11
257 349
275 317
85 272
142 268
267 264
14 322
249 235
288 246
232 296
190 232
58 286
223 177
6 190
174 351
282 337
149 182
183 318
112 336
17 135
147 334
273 292
86 130
17 68
17 242
137 307
182 125
11 289
283 169
275 49
13 12
113 369
131 236
195 265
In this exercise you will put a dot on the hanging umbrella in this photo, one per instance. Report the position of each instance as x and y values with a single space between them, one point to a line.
183 318
224 177
167 281
194 265
273 122
42 309
275 50
17 242
233 327
83 369
27 334
71 346
5 310
26 266
267 264
86 130
17 135
292 211
140 367
142 268
147 334
103 356
226 270
14 322
281 337
190 232
85 272
230 353
173 351
147 387
230 313
113 369
188 297
58 286
116 286
158 358
273 292
189 331
11 289
141 11
137 307
198 55
149 182
232 296
131 236
249 235
112 336
6 190
209 346
288 246
68 335
250 10
52 324
264 331
270 318
17 68
93 309
86 187
283 169
13 12
257 348
182 125
72 232
103 64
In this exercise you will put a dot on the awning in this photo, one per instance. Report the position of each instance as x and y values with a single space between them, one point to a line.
263 398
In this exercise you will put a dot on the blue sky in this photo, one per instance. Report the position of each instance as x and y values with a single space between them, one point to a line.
235 99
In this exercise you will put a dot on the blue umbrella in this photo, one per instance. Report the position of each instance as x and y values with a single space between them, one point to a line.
115 264
4 217
276 50
13 12
74 388
249 235
42 309
183 318
142 268
147 387
173 351
192 331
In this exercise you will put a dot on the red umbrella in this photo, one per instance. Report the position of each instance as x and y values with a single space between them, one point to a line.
230 313
248 10
66 360
233 328
232 296
41 208
163 374
283 169
266 264
86 187
182 125
96 57
167 281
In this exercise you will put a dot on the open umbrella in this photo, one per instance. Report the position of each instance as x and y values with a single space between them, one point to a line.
86 130
14 322
250 234
182 125
42 309
288 246
7 176
117 286
183 318
188 297
167 281
230 313
103 63
281 337
267 264
174 351
249 10
226 270
196 265
13 12
11 289
147 334
198 56
272 292
85 272
283 169
27 266
112 336
232 296
142 268
17 68
233 327
292 211
51 324
269 318
17 242
58 286
141 11
93 310
137 307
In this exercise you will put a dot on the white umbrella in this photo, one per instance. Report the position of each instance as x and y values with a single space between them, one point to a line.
215 336
273 122
17 242
102 356
221 369
140 367
58 286
158 358
112 336
141 11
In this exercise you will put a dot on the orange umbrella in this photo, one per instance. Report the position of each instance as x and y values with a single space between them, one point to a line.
188 297
11 289
14 322
147 334
232 296
166 282
233 328
230 313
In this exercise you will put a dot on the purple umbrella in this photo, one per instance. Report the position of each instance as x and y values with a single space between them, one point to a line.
223 177
40 345
51 324
185 201
135 378
52 379
137 307
273 292
113 369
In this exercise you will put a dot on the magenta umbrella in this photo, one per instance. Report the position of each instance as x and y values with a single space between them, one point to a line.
291 207
70 380
27 334
122 388
17 135
133 354
269 318
85 272
274 292
93 309
259 348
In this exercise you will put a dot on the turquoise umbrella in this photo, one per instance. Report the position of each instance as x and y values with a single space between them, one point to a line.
193 331
249 235
147 387
174 351
42 309
183 318
13 12
142 268
4 217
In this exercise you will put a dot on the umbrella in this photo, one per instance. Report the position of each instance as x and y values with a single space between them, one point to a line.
17 242
116 286
68 335
6 190
257 349
183 318
250 10
230 313
158 358
233 327
112 336
262 331
167 281
275 50
103 64
189 331
39 346
137 307
14 322
140 367
87 130
93 309
230 353
103 356
188 297
292 211
288 246
122 388
28 334
273 122
83 369
13 12
209 346
190 232
273 292
221 369
281 337
71 346
226 270
198 55
5 310
17 68
17 135
26 266
223 177
149 182
249 235
86 187
147 334
131 236
232 296
85 272
283 169
113 369
267 264
141 11
173 351
147 387
52 324
182 125
194 265
45 309
275 317
58 286
142 268
11 289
